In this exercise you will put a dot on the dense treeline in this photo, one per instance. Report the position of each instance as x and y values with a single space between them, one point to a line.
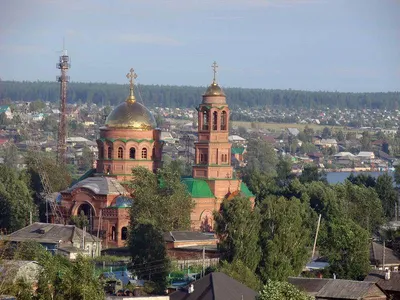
187 96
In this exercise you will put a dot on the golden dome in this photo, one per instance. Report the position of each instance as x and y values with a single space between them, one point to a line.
214 90
131 115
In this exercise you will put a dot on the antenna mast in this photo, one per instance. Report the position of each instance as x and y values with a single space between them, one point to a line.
63 65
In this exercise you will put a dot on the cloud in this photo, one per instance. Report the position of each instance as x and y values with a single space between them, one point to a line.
147 39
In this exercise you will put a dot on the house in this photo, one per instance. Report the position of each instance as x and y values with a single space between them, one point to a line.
38 117
87 121
326 143
236 139
316 157
214 286
6 110
67 240
190 247
376 257
327 288
388 281
293 131
366 155
341 155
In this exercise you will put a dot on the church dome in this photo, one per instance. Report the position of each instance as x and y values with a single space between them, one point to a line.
214 90
131 115
123 202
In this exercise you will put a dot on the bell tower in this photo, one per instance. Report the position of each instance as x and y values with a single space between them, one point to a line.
213 150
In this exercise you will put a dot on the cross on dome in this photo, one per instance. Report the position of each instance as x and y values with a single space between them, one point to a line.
131 76
214 67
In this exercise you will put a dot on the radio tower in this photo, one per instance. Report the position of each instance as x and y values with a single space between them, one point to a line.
63 65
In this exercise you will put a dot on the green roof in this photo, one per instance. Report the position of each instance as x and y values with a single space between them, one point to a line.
3 108
198 188
237 150
245 190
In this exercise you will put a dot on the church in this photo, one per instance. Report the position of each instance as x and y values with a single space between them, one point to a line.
130 138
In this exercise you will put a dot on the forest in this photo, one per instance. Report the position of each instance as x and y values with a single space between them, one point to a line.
188 96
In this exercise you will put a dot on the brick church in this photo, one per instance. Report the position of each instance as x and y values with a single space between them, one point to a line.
130 138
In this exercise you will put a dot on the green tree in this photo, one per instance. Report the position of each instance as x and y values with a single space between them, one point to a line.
326 133
87 158
310 173
365 141
285 238
149 255
160 199
307 148
10 156
340 136
280 290
16 202
37 106
284 171
346 245
239 271
29 250
397 174
260 156
388 195
238 227
80 220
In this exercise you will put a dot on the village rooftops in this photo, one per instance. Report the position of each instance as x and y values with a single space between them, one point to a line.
179 236
376 256
48 233
322 288
389 285
344 154
215 286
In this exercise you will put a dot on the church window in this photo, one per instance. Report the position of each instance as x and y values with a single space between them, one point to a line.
120 152
215 118
124 233
203 158
132 153
224 158
205 119
144 153
109 153
113 234
223 120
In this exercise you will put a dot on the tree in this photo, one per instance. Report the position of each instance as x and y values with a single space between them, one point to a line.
16 202
307 148
285 238
326 133
340 136
310 173
284 171
346 245
365 141
397 174
388 195
149 256
29 250
36 106
160 199
80 220
11 156
362 179
87 158
280 290
238 226
260 156
239 271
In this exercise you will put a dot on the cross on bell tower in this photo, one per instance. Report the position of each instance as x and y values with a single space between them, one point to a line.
131 76
214 67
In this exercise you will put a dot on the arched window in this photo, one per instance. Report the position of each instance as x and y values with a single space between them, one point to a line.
223 120
113 234
120 152
215 119
144 153
205 119
132 153
124 233
224 158
109 153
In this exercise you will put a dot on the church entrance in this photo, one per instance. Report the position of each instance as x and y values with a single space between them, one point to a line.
88 211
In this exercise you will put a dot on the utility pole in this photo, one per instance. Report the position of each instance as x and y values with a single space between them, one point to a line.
316 237
383 256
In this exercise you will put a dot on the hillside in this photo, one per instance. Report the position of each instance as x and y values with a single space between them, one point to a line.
188 96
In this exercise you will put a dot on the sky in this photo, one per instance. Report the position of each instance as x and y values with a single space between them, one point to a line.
330 45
